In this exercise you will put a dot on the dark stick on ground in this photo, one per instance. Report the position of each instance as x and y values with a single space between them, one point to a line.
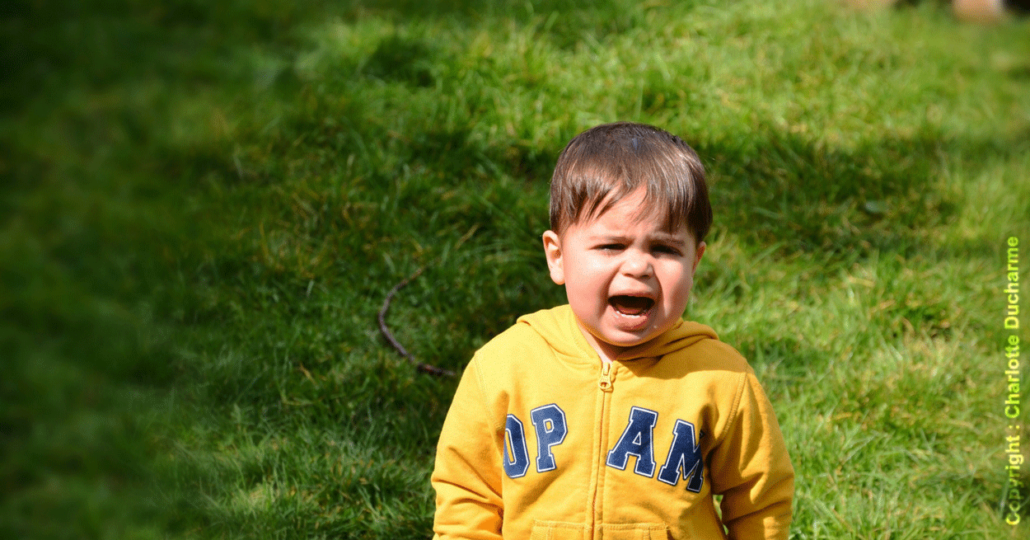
421 366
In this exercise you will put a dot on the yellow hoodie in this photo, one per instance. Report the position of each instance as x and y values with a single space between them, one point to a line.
543 440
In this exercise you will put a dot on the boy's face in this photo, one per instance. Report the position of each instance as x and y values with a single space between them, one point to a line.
627 279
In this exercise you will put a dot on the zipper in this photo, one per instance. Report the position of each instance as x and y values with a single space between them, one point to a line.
605 384
606 377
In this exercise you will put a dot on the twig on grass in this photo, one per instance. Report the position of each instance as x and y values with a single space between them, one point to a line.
421 366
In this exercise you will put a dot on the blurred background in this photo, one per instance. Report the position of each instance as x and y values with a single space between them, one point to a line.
203 206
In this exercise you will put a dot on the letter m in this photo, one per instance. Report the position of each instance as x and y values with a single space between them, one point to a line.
685 460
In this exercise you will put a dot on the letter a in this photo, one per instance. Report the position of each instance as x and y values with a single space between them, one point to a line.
636 441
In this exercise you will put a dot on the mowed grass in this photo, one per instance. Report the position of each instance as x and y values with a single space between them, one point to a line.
204 207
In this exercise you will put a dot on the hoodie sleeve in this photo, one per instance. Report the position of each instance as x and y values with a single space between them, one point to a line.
752 470
467 476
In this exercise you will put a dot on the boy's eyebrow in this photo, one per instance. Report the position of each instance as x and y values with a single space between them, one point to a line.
664 237
670 238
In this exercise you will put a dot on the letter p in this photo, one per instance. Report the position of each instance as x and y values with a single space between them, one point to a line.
549 423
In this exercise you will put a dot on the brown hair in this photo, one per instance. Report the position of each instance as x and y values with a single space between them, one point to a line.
608 162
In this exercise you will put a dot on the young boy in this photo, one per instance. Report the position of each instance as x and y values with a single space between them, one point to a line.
611 417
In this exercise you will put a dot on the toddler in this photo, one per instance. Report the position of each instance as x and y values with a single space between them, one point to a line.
612 417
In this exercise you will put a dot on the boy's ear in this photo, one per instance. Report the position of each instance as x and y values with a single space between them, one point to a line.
697 255
552 250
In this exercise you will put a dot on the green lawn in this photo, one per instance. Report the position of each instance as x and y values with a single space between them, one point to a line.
203 206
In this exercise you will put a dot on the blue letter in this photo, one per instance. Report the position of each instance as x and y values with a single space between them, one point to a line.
549 422
684 459
516 457
636 441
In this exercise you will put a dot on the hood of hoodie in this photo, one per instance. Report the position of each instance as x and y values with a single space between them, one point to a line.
558 327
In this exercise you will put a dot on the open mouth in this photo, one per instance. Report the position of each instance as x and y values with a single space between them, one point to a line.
631 305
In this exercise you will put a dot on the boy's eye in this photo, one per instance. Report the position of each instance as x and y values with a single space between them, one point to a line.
670 250
610 247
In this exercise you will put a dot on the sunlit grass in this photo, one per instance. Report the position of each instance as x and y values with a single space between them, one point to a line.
203 208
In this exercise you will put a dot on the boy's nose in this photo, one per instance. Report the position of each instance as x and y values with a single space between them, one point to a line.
637 265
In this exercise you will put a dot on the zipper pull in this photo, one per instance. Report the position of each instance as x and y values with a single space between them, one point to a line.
606 377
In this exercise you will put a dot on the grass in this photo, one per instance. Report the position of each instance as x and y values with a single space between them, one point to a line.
203 207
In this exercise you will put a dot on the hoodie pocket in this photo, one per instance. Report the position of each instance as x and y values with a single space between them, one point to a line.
558 530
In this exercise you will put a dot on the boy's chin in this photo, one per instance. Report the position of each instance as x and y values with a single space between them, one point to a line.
622 341
613 341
